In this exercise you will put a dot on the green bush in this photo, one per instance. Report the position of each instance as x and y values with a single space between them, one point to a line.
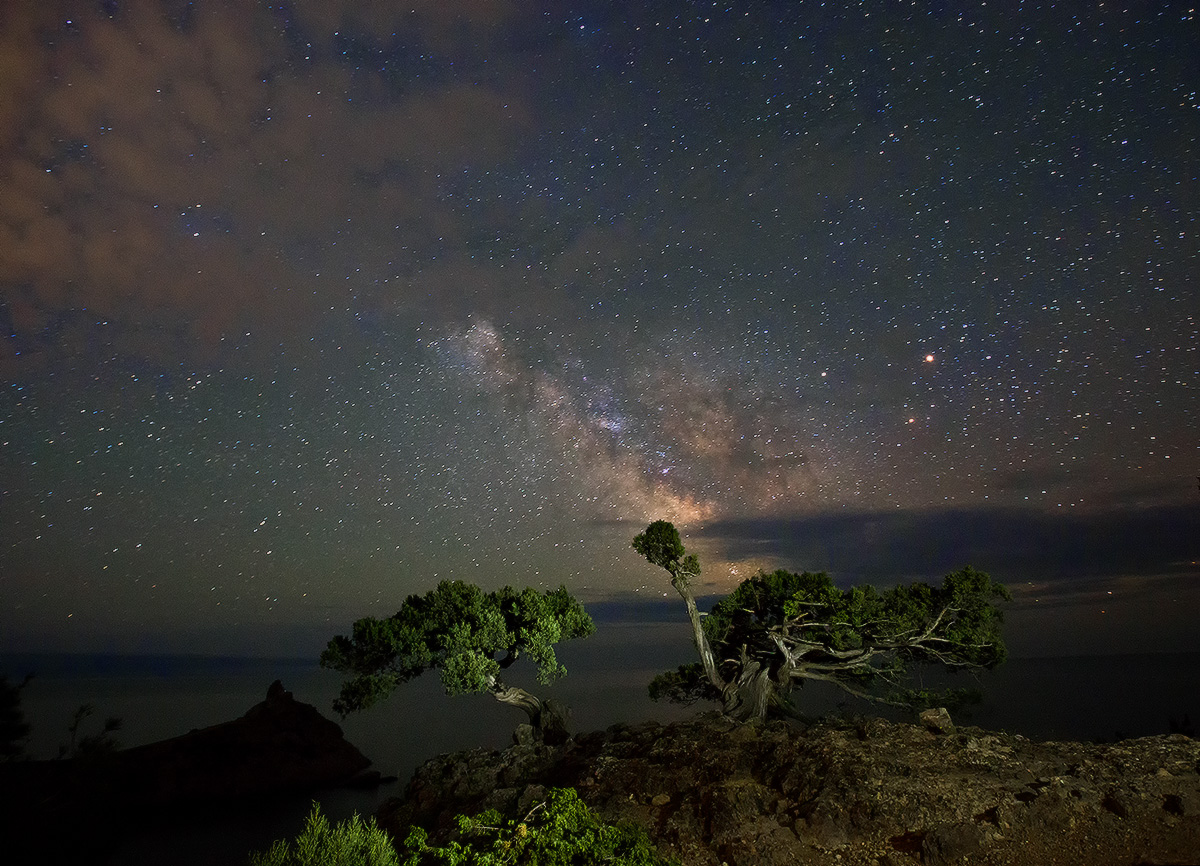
354 842
560 831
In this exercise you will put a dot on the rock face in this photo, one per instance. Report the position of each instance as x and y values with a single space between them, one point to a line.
713 792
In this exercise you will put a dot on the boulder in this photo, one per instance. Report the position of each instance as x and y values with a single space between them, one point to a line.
937 719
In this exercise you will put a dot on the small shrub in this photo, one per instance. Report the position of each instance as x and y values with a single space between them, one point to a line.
354 842
560 831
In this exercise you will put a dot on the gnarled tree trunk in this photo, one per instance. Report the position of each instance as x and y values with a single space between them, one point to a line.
705 652
547 718
755 692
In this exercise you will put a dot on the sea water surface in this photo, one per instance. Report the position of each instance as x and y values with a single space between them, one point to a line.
1088 698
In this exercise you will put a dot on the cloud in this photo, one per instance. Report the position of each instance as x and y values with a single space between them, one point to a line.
198 176
1014 546
448 27
1100 583
1103 582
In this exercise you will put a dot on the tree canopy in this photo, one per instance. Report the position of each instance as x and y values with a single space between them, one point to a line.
469 635
782 628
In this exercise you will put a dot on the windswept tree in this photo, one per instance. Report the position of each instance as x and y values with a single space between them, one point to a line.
471 637
777 630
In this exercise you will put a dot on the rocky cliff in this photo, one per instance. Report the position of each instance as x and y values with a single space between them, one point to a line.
712 792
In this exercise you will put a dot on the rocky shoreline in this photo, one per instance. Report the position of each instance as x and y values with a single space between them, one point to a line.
709 791
712 792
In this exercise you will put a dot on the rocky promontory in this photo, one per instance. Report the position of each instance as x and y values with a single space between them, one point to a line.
280 744
865 793
84 804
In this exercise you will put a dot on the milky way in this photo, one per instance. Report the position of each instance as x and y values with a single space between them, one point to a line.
310 305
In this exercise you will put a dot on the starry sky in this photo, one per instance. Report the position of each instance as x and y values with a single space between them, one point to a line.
307 306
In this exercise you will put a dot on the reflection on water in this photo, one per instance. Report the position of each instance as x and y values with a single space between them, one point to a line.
1091 698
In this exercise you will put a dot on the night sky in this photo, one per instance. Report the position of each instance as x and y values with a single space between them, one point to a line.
308 306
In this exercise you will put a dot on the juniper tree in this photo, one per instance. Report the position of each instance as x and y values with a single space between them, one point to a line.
471 637
776 630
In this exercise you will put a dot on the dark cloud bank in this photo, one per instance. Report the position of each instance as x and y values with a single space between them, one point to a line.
1012 545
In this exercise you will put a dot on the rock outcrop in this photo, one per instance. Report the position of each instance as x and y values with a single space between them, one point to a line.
86 804
280 744
712 792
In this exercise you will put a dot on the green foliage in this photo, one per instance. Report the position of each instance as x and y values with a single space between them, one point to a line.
768 600
809 608
861 637
790 627
14 730
951 699
354 842
560 831
468 634
662 546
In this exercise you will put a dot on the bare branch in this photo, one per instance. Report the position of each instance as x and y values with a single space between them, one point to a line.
846 687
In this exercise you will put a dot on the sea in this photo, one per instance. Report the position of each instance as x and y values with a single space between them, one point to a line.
1094 698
